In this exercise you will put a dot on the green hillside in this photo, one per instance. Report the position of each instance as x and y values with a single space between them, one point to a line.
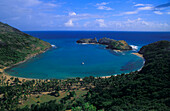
16 46
147 90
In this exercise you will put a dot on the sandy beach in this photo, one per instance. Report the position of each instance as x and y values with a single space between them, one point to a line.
7 76
117 50
140 55
107 76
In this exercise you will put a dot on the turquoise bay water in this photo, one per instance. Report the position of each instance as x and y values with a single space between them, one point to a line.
65 61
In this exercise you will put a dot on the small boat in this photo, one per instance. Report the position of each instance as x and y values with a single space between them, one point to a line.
82 63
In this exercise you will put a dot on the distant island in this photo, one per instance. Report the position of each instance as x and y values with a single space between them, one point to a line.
110 43
16 46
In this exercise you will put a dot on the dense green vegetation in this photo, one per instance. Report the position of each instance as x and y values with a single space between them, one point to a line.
16 46
66 93
146 90
119 45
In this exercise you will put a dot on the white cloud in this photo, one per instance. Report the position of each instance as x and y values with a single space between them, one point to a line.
137 24
130 12
139 5
145 8
143 5
101 22
134 21
158 12
103 3
51 4
72 14
69 23
102 6
139 19
144 23
168 12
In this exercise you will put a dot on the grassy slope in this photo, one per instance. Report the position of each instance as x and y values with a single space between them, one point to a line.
46 98
16 46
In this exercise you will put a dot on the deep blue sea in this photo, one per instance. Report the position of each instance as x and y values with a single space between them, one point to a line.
65 61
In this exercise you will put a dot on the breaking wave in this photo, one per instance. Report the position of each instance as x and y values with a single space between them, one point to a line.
134 47
54 46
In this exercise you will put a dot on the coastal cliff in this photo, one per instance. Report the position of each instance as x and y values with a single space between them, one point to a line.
17 46
111 43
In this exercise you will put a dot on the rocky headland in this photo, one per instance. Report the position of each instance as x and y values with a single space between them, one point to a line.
110 43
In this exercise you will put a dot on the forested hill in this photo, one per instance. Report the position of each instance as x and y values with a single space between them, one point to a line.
147 90
16 46
157 56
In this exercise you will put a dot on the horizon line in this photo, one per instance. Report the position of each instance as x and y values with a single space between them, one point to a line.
91 31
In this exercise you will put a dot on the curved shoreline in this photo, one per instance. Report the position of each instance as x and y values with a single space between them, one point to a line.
26 59
140 55
29 57
137 54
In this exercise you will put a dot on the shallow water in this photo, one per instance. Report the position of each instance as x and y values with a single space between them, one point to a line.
65 61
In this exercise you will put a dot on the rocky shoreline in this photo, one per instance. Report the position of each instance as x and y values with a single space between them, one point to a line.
110 43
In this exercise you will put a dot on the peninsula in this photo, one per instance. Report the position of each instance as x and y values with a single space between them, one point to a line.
110 43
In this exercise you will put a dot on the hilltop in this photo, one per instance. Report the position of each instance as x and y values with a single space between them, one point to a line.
17 46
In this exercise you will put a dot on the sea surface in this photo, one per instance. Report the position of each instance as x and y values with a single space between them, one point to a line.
65 60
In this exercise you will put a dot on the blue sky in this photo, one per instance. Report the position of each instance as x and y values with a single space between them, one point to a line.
106 15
